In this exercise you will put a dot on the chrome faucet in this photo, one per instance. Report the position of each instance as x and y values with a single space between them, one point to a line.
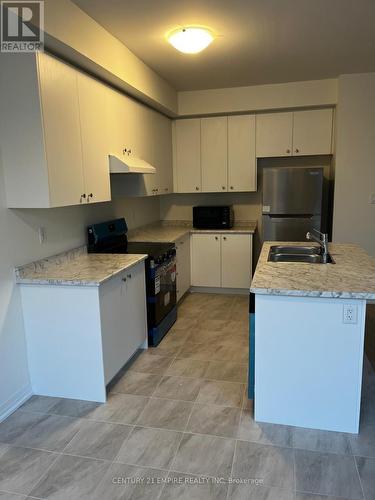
322 239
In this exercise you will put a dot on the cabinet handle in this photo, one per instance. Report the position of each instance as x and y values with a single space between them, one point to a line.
232 187
288 151
222 187
166 189
129 276
126 151
196 188
83 196
123 279
297 150
225 238
88 197
216 238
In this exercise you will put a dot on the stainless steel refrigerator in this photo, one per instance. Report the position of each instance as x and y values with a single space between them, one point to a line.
292 202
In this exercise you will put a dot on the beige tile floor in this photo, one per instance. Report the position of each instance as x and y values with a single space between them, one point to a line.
178 425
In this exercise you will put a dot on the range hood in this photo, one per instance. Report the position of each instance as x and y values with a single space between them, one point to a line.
129 165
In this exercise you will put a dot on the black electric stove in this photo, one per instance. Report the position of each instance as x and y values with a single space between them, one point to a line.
160 270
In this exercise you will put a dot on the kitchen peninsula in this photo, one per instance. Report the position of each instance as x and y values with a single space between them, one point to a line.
309 338
85 317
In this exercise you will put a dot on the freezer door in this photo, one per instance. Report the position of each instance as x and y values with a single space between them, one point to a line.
292 190
276 228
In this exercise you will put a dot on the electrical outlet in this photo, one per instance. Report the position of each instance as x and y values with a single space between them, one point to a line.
42 233
350 312
371 199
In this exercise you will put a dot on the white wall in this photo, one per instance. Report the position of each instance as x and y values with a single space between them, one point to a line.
354 216
20 244
258 97
179 206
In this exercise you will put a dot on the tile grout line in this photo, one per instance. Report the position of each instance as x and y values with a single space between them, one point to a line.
357 470
177 450
45 473
231 470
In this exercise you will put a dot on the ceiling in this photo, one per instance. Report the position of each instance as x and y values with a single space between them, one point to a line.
259 41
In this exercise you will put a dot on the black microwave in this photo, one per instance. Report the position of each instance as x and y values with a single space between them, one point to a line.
220 217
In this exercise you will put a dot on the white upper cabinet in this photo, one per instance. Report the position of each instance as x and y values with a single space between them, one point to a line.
242 171
274 134
298 133
162 153
63 156
214 154
61 127
312 132
93 106
187 155
117 113
137 130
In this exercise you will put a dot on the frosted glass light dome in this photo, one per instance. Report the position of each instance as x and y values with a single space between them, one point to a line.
190 40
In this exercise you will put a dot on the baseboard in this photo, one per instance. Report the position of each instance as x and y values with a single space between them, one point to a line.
15 401
208 289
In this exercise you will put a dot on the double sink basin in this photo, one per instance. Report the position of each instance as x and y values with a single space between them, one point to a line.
306 254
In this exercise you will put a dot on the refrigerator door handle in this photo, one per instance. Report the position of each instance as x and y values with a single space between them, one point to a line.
290 216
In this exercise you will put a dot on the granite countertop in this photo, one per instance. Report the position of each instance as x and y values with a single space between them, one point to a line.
172 231
352 277
76 267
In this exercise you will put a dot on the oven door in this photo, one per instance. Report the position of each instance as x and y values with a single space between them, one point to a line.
161 291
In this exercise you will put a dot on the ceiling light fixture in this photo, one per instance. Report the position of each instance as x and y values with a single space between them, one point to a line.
191 39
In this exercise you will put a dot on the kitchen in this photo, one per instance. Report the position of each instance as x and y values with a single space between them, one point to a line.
126 155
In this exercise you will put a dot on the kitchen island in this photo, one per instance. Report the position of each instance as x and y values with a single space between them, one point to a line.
309 338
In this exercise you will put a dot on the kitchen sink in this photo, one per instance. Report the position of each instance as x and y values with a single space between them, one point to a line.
290 253
295 250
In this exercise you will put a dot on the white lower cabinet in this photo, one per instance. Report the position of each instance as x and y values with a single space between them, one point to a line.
183 266
123 318
205 260
221 260
79 337
236 261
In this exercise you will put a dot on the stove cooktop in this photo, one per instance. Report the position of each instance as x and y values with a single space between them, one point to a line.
153 250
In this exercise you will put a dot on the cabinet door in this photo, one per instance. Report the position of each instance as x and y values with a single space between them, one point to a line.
93 105
183 266
242 172
206 260
123 318
117 115
236 260
188 155
62 134
136 312
312 132
274 134
214 156
162 153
